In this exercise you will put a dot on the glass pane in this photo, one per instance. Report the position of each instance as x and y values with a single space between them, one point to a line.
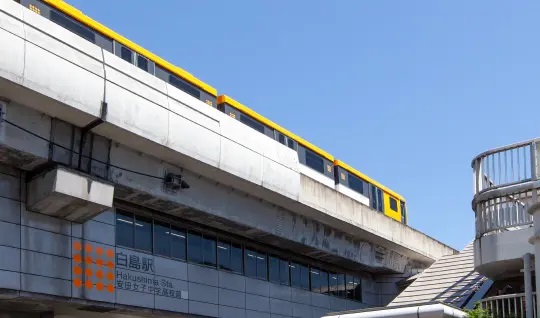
323 282
350 286
273 269
126 54
290 143
262 271
224 255
304 278
356 184
162 238
143 233
314 161
333 282
209 251
124 229
393 204
236 258
357 289
195 247
341 285
142 63
284 272
251 263
73 26
295 275
315 275
281 138
178 243
180 84
252 123
379 200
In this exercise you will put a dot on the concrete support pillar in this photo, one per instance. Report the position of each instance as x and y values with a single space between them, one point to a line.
534 210
527 268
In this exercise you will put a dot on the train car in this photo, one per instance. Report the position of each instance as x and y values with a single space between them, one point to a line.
357 185
75 21
315 162
320 165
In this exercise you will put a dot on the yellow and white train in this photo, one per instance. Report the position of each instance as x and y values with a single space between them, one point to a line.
315 162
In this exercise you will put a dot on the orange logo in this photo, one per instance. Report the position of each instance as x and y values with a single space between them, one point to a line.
95 274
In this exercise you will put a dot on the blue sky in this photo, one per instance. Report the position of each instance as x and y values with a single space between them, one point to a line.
407 92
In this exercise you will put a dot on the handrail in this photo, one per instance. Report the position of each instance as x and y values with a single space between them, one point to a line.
503 148
512 305
506 183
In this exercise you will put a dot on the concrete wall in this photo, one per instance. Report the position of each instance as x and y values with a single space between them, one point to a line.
60 74
500 255
139 179
38 256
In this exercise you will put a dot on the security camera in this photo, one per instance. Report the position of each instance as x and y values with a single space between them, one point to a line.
175 181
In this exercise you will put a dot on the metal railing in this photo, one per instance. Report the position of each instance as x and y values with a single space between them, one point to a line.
507 306
505 185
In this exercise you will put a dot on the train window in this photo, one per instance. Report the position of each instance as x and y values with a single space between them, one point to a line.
403 213
356 184
126 54
252 123
290 143
376 198
379 200
73 26
314 161
180 84
393 204
281 138
142 62
286 140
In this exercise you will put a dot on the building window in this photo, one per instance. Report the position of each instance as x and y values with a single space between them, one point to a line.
278 270
162 239
169 240
354 288
165 239
299 276
201 249
230 256
133 231
195 247
178 243
323 282
315 274
209 251
124 229
143 234
255 264
337 285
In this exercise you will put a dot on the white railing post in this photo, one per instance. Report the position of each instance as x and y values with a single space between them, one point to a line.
527 261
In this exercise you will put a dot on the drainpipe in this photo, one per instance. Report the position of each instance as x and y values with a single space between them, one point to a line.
527 260
534 210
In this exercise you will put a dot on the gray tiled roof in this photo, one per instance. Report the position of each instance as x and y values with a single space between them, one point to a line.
451 280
